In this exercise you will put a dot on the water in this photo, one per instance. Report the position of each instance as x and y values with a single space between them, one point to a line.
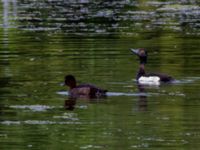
42 41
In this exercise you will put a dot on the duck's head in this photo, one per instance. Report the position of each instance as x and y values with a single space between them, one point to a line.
142 54
70 81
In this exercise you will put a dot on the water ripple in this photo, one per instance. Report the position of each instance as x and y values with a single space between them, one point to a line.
36 108
38 122
89 17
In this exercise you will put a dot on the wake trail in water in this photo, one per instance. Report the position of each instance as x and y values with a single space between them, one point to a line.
66 93
186 80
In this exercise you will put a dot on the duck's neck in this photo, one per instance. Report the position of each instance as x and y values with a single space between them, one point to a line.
72 85
141 71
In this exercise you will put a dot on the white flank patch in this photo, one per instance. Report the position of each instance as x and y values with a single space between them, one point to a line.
152 80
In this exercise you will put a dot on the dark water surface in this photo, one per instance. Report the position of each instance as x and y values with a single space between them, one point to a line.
43 40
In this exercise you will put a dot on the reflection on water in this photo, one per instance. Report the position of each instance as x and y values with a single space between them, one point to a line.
32 107
42 41
142 100
70 104
103 17
112 94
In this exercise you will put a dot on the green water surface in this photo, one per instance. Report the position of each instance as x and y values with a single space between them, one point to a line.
42 41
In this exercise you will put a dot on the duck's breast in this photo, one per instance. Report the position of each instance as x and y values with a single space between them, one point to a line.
150 80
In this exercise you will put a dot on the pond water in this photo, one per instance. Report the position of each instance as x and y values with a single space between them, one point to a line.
43 40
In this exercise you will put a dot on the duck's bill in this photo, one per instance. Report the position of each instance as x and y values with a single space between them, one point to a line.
135 51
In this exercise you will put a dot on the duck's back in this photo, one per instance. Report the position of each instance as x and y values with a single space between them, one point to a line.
87 90
163 77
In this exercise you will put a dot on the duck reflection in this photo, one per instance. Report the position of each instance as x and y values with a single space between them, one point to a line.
142 102
70 104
